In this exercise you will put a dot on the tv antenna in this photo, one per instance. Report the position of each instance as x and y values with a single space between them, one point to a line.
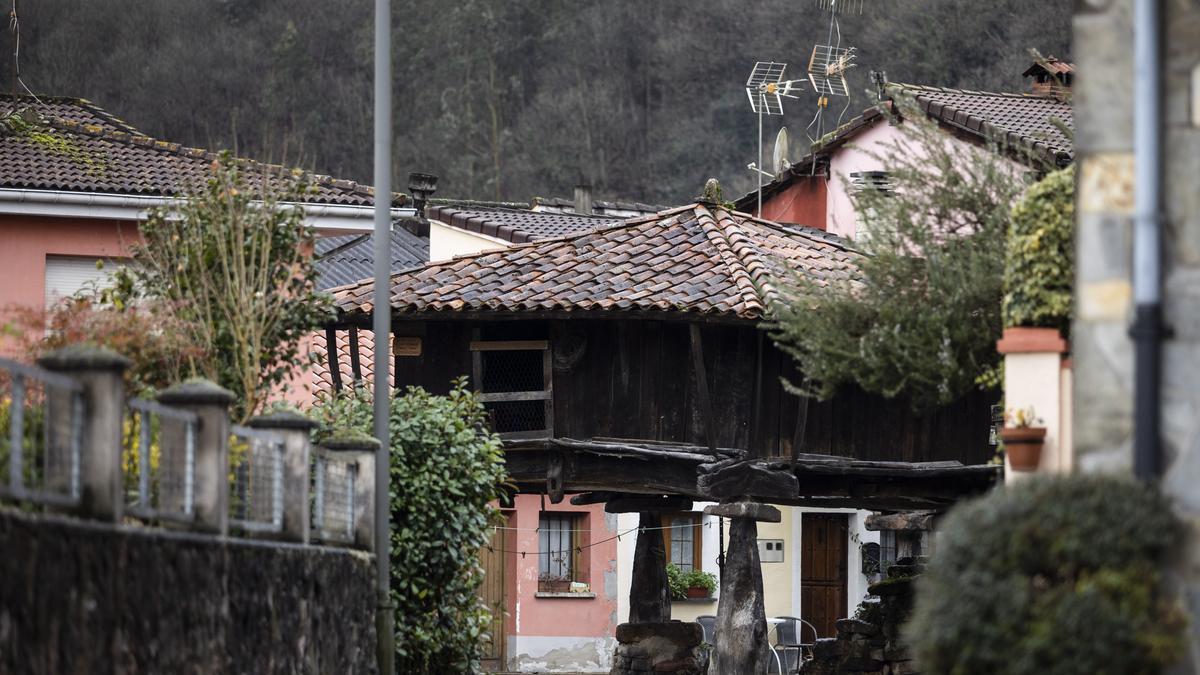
828 64
766 90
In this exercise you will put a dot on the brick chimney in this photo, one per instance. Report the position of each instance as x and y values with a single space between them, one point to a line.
1051 76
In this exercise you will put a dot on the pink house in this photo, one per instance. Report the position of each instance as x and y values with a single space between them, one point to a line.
817 190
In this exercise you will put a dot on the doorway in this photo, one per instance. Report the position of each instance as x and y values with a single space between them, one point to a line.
824 570
492 591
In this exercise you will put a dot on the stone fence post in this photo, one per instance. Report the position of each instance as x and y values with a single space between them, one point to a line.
210 402
295 430
359 449
101 372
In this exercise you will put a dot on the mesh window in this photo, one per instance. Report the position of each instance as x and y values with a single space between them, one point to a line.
505 371
509 416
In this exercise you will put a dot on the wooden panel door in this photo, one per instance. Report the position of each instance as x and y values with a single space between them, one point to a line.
823 570
492 590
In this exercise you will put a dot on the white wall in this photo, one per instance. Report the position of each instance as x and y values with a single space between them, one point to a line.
445 241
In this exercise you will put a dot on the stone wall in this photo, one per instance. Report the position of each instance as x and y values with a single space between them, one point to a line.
871 643
1102 349
674 647
84 597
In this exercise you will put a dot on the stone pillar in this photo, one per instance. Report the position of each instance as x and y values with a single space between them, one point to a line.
100 371
742 647
210 402
359 449
649 594
295 429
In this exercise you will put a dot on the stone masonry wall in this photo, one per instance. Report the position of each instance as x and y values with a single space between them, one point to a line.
1102 349
871 644
674 647
84 597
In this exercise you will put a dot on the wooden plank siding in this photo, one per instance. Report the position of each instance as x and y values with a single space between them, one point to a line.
634 378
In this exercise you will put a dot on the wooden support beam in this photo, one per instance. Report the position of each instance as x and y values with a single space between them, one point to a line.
331 356
649 594
746 479
355 362
648 504
702 387
741 616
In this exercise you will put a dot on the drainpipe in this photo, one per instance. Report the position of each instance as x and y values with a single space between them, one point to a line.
1147 330
382 323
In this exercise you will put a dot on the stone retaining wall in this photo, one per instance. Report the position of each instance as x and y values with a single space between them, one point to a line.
85 597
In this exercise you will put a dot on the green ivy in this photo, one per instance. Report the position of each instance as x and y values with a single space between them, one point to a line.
446 469
1051 575
1039 265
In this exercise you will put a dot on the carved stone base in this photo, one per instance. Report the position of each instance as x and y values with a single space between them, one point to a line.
652 648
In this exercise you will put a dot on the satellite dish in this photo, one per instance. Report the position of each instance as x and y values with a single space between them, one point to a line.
780 157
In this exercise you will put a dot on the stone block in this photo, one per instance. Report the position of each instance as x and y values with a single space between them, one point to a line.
764 513
856 627
681 633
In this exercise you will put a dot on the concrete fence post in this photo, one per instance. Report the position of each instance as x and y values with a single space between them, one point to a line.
100 371
210 402
359 449
295 429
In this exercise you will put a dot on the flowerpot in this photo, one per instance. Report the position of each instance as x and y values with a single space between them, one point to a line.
1024 447
697 592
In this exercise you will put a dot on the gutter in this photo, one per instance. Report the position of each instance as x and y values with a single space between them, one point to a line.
328 219
1147 330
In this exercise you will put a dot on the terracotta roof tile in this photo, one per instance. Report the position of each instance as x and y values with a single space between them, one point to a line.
515 225
93 151
696 259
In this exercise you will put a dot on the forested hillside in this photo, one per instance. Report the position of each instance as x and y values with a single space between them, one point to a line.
504 98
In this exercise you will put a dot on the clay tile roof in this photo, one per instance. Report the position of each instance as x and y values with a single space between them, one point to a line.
698 258
320 378
93 151
599 207
515 225
1016 119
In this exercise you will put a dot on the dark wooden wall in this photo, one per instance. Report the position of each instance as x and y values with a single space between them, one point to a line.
634 379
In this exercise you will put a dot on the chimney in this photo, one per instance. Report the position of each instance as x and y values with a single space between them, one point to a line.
421 186
1051 76
583 200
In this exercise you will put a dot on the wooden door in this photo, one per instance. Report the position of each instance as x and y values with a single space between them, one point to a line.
823 570
492 590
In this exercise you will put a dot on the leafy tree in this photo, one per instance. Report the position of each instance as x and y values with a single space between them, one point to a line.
446 469
922 318
235 264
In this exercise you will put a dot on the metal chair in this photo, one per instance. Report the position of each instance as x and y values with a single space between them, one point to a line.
790 644
708 623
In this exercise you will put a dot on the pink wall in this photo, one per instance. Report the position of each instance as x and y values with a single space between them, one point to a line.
801 203
568 617
852 157
25 241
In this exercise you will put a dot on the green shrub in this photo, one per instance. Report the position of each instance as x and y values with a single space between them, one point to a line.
445 470
675 582
700 579
1039 268
1053 575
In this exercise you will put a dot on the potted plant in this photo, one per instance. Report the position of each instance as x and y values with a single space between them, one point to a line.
700 584
1023 438
675 582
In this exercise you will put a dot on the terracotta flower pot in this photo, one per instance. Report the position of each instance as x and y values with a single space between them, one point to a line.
1024 447
697 592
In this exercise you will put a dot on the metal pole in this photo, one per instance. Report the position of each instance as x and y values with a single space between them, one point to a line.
384 619
762 101
1147 330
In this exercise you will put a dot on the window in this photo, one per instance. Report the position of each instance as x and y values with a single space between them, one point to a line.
558 552
683 540
880 181
513 378
68 275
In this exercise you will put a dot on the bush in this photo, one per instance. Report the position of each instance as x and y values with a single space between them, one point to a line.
675 582
1053 575
445 470
1039 269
